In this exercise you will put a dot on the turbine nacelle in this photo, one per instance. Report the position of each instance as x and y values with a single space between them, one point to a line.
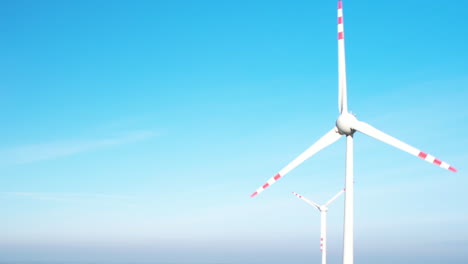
323 208
345 123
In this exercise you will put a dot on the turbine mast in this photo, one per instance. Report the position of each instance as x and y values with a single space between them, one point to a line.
348 236
323 235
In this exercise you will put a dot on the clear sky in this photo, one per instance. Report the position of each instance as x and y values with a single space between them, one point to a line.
136 130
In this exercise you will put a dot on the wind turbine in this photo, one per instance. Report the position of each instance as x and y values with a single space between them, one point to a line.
346 125
323 221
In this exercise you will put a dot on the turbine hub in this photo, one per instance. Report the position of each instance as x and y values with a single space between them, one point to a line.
345 122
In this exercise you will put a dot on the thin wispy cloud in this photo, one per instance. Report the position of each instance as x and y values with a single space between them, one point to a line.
128 200
57 149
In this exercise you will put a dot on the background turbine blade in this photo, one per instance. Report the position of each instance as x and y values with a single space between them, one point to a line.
307 200
323 142
377 134
334 197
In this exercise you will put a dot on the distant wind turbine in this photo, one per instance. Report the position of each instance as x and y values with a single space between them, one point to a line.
323 221
347 124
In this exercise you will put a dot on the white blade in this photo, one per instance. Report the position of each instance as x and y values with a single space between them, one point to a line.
342 90
307 200
377 134
334 198
323 142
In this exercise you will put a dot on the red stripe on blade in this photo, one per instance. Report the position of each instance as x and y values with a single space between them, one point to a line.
265 185
452 169
422 155
437 162
277 176
340 35
340 20
340 4
253 194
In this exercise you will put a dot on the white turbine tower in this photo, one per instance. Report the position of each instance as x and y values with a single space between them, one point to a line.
346 125
323 221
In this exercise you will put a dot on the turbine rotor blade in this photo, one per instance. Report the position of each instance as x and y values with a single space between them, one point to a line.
334 197
342 90
377 134
307 200
323 142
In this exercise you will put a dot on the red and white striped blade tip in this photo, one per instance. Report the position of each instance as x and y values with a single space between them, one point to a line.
267 184
433 160
340 21
298 195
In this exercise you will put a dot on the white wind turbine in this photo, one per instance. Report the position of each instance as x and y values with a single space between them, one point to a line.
346 125
323 221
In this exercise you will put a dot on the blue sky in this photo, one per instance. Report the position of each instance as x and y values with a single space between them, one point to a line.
137 131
